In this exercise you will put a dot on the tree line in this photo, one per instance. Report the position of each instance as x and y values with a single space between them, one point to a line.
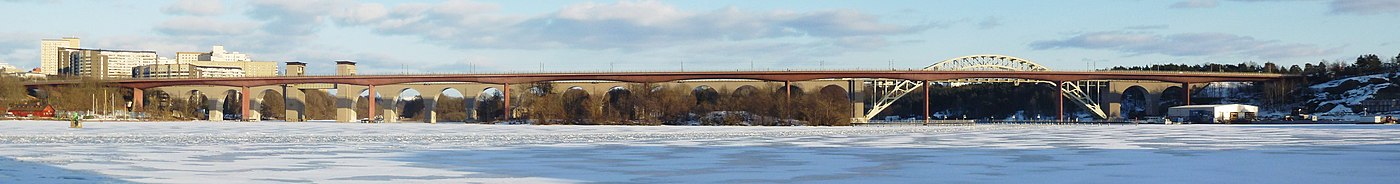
653 104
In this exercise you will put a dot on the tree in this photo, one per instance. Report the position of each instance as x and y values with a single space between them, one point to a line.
452 109
1396 60
1270 67
412 109
273 106
319 105
1367 64
12 91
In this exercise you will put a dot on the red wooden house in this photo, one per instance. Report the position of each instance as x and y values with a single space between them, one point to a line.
31 110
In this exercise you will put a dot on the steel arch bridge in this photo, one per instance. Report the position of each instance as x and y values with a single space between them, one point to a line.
894 90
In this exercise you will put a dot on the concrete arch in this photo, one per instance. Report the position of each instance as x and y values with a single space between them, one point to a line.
361 104
796 90
433 98
833 92
705 95
403 106
1135 103
489 105
1169 97
619 103
258 103
578 105
426 102
744 91
203 102
231 105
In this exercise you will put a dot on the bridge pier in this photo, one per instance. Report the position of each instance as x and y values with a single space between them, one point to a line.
295 103
926 103
345 103
1186 93
429 102
1061 100
855 94
506 106
138 100
373 100
245 103
214 106
429 110
254 109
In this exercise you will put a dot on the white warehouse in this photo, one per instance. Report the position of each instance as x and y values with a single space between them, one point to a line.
1223 113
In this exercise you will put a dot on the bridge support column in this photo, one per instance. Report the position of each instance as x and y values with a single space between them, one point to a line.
373 100
295 103
345 103
1061 100
429 98
1186 92
926 96
429 106
506 107
214 107
244 103
138 100
255 110
787 100
857 100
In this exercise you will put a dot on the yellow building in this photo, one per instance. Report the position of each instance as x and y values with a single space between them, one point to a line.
186 57
48 53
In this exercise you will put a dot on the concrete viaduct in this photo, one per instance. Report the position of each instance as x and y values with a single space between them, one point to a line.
1108 87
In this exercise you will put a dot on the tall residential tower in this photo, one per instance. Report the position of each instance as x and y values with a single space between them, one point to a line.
48 56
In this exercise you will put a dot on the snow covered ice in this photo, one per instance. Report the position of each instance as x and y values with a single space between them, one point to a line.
279 152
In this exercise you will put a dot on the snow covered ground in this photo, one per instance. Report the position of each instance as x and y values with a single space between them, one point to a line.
277 152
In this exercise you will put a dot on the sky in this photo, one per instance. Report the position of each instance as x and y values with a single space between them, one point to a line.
467 36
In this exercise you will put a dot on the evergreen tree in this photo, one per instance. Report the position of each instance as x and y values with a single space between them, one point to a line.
1367 64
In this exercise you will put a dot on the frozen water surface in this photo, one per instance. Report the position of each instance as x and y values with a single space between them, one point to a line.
279 152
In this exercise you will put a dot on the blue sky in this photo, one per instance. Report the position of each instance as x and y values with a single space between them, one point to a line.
523 36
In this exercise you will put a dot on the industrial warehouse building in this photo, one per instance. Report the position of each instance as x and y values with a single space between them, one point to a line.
1224 113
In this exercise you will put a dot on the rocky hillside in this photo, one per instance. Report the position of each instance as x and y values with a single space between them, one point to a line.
1343 96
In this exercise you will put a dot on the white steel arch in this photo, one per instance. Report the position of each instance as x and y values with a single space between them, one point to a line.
893 90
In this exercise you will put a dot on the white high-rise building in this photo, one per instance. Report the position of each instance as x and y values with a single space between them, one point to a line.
48 53
222 58
219 54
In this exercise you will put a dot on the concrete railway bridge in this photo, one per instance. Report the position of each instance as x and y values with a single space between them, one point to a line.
1102 93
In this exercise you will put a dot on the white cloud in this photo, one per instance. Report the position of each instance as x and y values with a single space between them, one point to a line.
1365 7
302 17
195 7
20 49
625 25
1187 44
1358 7
204 26
1196 4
